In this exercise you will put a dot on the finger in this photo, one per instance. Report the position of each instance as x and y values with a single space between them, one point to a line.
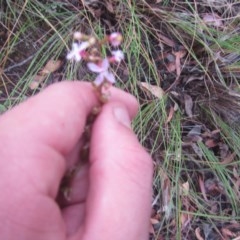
35 138
119 198
44 129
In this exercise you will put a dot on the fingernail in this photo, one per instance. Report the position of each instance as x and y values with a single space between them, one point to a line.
122 116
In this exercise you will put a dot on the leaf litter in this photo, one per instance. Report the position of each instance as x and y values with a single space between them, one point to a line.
194 46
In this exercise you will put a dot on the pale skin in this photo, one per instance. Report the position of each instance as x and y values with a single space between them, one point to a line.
40 139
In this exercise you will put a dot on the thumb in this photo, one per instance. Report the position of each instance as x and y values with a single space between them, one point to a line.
119 199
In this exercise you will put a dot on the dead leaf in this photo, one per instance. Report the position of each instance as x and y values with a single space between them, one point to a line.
178 55
171 67
237 187
184 188
188 105
236 173
229 158
210 134
109 6
210 143
153 89
189 79
224 150
197 150
172 110
38 79
227 233
196 130
166 192
198 235
212 19
184 218
154 221
34 85
202 188
213 186
51 66
170 115
165 40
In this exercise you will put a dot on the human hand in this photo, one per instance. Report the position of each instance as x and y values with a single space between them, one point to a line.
40 140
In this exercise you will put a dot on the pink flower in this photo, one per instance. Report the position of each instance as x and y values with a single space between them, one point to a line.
77 51
115 39
117 56
102 69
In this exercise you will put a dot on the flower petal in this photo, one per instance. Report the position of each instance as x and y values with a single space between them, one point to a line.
99 79
105 64
109 77
83 46
94 67
100 67
118 55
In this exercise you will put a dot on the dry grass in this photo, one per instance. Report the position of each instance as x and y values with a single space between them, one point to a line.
188 49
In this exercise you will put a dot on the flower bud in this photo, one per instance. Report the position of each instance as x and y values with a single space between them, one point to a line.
77 36
115 39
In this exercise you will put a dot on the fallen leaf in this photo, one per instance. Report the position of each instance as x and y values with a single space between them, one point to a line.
171 112
197 150
196 130
188 105
236 187
51 66
165 40
208 231
202 188
210 134
210 143
109 6
212 19
166 192
154 221
34 85
178 55
151 229
38 79
171 67
224 150
170 115
227 233
186 204
213 186
184 188
236 174
193 135
153 89
192 78
198 235
229 158
185 220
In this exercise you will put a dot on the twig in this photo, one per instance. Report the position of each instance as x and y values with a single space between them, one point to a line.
18 64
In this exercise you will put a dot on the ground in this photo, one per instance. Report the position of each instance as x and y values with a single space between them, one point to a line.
182 62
